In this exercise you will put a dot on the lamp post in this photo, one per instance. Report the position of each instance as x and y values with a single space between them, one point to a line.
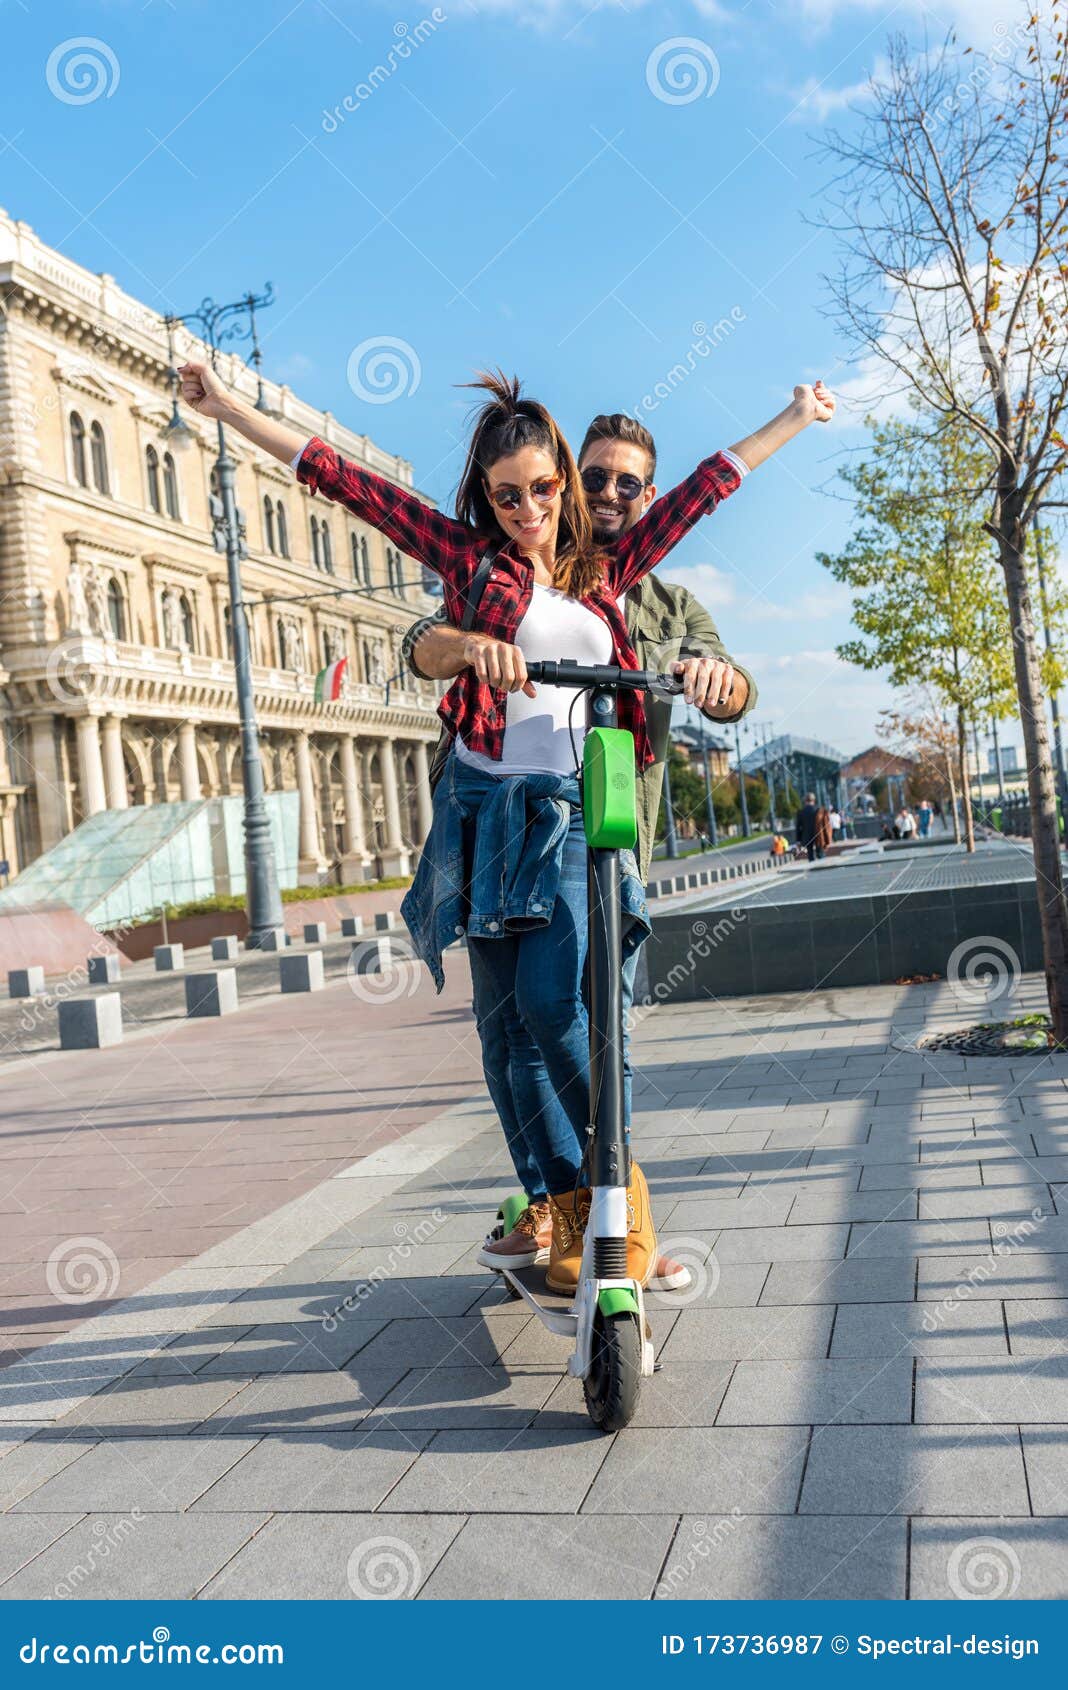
216 324
742 798
671 844
769 779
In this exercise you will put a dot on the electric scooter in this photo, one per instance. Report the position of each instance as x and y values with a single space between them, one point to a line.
613 1350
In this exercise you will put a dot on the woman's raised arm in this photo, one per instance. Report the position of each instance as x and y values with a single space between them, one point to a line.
445 546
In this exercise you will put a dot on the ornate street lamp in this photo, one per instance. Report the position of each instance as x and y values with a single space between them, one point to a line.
215 325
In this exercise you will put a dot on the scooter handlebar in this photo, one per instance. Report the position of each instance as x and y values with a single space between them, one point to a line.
565 672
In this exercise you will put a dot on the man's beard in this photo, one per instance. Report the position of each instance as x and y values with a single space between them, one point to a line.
605 536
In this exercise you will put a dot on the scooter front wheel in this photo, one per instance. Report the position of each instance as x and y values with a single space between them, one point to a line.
614 1380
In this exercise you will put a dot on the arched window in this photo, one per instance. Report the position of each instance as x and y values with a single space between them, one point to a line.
328 550
170 486
152 477
116 609
317 555
99 455
280 635
283 529
188 629
77 449
365 556
268 524
354 546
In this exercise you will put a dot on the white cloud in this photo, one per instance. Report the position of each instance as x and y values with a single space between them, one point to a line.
715 588
814 694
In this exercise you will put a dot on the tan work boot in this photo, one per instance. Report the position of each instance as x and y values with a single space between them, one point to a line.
641 1238
525 1245
570 1212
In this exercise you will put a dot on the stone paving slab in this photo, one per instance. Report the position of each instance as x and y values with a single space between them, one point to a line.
339 1557
553 1558
818 1393
712 1469
165 1556
1007 1558
915 1470
786 1558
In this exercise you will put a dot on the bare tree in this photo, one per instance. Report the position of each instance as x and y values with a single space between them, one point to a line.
949 198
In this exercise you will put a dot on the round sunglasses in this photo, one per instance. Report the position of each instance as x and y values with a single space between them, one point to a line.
628 487
544 490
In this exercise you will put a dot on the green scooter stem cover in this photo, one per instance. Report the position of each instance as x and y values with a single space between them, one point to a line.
511 1209
609 804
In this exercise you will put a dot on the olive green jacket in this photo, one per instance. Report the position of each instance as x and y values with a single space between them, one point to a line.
664 622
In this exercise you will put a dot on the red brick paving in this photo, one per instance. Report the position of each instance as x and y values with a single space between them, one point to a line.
176 1139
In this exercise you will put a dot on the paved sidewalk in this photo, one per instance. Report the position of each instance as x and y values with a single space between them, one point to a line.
865 1395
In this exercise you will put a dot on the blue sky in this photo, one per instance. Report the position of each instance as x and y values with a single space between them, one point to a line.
514 188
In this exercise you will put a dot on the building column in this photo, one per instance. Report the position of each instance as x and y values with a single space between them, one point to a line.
396 858
53 814
312 861
424 798
90 765
114 768
356 854
188 768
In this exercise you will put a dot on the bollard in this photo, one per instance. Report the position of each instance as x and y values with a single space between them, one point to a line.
315 932
352 926
693 880
385 921
224 949
275 939
374 956
213 993
90 1023
169 958
652 891
105 970
25 982
302 972
706 875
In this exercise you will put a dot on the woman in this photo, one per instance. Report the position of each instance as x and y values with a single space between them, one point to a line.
505 859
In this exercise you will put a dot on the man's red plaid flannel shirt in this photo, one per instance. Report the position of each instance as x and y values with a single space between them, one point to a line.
471 708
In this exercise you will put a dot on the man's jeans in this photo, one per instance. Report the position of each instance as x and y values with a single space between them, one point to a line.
504 1038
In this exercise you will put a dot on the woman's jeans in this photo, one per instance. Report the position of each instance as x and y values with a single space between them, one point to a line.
534 1031
506 1040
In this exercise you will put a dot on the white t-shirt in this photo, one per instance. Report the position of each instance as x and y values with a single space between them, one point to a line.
536 735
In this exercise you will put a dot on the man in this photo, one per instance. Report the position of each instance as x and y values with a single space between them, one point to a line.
806 826
669 630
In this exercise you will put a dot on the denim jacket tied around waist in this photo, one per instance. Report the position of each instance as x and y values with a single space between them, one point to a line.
491 865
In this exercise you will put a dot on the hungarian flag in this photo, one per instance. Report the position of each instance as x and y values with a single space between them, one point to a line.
329 681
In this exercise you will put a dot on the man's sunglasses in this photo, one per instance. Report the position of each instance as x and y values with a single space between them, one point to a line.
543 490
628 487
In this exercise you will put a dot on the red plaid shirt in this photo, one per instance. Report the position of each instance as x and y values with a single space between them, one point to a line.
470 708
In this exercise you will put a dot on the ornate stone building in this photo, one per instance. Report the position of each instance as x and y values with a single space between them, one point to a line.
116 685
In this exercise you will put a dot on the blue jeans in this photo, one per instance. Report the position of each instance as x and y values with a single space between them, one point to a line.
534 1031
501 1033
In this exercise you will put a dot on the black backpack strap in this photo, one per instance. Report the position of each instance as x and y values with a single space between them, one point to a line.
478 584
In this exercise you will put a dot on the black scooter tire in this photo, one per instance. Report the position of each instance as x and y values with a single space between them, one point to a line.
613 1384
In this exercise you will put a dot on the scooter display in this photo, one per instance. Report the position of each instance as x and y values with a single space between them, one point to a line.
613 1351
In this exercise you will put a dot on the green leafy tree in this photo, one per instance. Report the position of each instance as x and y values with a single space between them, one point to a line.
928 603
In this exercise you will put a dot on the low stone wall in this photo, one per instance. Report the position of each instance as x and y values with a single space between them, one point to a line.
196 930
871 941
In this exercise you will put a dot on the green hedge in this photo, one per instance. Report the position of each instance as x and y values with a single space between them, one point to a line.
290 895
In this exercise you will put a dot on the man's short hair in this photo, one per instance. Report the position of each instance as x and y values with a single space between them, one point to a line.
618 426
